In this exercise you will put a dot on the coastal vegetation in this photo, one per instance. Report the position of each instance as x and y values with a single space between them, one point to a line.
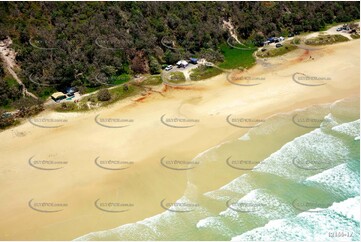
326 39
73 44
272 52
102 98
177 77
153 80
204 72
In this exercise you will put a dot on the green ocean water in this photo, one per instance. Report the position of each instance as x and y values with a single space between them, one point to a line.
294 177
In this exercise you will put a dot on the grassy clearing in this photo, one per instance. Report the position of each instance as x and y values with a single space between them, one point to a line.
123 78
276 51
153 80
204 72
234 58
119 93
326 39
177 77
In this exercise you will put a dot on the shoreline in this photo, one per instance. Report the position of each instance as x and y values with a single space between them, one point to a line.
81 140
161 88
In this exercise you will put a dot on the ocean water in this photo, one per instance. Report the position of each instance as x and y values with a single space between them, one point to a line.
294 177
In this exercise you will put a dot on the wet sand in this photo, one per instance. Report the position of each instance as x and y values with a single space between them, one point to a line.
145 182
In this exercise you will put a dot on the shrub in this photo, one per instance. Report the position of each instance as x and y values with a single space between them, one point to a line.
6 120
104 95
125 88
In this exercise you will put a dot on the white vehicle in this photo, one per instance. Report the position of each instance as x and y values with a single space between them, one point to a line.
168 68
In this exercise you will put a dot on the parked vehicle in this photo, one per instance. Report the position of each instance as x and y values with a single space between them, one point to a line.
6 115
168 68
271 40
71 90
278 45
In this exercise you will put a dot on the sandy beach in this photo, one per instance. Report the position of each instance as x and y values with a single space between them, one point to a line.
80 141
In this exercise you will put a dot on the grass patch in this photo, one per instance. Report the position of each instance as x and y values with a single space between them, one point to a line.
153 80
91 89
296 41
234 58
277 51
119 93
326 39
69 107
177 77
11 81
46 92
123 78
355 36
204 72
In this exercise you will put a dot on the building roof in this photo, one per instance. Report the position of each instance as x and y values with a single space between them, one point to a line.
56 95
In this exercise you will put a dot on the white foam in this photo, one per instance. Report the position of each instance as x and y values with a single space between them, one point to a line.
245 137
351 129
340 179
261 204
314 146
329 122
241 185
309 226
349 208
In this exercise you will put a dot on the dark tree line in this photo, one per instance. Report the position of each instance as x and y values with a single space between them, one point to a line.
61 44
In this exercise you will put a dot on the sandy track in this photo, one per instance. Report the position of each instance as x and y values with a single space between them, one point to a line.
8 57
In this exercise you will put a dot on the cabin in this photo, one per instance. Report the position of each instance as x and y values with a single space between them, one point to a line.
58 96
182 63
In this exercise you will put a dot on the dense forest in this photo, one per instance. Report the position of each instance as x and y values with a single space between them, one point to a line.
61 44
